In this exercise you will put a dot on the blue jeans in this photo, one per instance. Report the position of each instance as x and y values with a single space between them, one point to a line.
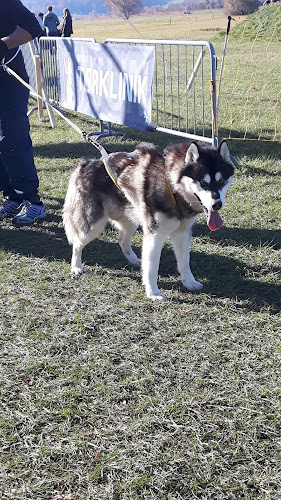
18 175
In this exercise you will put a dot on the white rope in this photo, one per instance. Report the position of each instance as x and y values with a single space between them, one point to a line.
73 125
3 62
85 136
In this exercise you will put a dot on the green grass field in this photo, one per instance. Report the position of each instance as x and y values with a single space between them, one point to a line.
108 396
196 26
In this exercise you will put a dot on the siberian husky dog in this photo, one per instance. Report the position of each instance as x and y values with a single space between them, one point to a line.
163 193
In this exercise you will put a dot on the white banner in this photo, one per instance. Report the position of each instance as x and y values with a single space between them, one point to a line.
110 82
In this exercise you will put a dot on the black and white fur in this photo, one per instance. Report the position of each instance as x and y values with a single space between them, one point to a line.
199 177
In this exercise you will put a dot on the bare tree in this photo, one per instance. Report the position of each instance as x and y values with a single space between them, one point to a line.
241 7
124 8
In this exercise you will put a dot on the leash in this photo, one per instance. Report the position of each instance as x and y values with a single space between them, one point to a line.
86 137
105 158
3 62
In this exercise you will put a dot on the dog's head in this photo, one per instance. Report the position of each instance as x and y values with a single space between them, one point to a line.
208 174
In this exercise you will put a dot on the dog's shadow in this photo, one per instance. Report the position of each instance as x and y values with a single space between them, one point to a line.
223 276
229 277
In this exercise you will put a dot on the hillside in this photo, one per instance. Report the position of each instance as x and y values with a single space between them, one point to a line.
264 24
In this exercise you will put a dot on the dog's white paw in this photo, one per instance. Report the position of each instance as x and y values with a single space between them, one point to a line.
158 296
77 271
193 286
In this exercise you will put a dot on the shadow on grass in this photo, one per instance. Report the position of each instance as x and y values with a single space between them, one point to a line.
82 149
226 277
252 238
78 151
254 148
62 150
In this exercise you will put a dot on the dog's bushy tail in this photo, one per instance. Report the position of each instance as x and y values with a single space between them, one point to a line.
71 204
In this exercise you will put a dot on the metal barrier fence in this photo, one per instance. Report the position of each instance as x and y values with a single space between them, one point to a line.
184 91
29 64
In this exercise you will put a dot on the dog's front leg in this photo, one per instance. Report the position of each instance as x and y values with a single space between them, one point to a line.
181 239
151 252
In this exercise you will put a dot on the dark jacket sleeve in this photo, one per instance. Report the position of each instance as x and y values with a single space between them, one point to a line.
23 17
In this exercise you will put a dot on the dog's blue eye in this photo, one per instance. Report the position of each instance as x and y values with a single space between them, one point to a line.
221 182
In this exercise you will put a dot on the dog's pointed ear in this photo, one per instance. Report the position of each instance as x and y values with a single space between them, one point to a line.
192 153
223 151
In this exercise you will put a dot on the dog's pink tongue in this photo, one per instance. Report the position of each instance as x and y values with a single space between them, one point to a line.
214 220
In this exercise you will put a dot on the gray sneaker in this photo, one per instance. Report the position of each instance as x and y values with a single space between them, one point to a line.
9 208
29 214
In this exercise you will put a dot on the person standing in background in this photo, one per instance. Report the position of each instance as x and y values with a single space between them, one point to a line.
18 175
51 22
39 18
66 28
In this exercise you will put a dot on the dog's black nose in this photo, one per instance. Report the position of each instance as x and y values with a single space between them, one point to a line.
217 205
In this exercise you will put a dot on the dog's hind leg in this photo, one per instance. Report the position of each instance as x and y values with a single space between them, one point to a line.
80 241
126 231
181 239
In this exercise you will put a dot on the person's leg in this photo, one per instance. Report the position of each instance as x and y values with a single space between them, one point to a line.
12 202
18 175
15 144
6 187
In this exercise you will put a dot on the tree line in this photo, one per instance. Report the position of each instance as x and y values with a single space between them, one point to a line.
126 8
